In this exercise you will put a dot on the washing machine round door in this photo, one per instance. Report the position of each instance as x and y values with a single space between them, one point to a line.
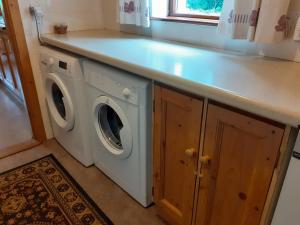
59 102
112 127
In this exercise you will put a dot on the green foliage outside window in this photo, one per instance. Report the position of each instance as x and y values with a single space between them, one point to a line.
205 5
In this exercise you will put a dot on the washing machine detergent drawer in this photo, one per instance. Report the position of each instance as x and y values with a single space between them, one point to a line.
116 83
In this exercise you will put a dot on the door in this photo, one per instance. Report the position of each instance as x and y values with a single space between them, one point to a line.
176 144
243 153
59 102
112 127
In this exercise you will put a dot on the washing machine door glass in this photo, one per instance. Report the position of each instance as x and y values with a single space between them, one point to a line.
59 102
112 127
58 96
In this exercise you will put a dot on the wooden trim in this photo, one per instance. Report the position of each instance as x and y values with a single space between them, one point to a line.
194 16
198 21
18 148
286 150
201 149
9 61
156 142
2 68
153 138
17 37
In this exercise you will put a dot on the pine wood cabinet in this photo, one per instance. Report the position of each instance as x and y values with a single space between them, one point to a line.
243 153
177 137
236 162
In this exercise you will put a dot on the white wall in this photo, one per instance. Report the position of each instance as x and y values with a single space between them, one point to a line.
76 13
207 35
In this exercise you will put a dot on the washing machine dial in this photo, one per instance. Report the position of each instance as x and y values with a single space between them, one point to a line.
126 92
50 62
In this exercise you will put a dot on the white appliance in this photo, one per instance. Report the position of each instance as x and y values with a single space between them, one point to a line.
65 95
288 208
120 110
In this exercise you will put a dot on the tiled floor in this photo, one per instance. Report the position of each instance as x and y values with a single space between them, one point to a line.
116 204
14 125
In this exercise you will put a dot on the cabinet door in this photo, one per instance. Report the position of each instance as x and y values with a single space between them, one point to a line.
235 182
176 134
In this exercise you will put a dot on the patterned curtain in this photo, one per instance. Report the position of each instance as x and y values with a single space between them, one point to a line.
263 21
135 12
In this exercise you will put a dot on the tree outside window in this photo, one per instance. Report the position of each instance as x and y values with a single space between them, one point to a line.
196 8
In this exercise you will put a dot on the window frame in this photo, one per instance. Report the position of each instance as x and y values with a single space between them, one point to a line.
192 18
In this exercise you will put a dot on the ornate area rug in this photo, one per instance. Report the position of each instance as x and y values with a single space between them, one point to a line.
43 193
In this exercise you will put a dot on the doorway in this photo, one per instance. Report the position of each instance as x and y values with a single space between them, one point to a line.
14 126
21 125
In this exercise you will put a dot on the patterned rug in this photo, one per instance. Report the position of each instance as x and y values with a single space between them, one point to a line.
43 193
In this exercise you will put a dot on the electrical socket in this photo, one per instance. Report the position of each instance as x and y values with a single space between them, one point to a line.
36 11
32 10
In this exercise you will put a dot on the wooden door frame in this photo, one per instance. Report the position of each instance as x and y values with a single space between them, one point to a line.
18 41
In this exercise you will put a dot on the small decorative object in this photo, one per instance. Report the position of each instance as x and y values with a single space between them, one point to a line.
60 28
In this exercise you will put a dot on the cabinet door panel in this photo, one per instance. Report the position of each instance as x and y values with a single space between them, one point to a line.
177 128
243 154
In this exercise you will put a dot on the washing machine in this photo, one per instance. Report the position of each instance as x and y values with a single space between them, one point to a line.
120 112
66 101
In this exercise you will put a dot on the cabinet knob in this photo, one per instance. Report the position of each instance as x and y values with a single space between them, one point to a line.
190 152
205 159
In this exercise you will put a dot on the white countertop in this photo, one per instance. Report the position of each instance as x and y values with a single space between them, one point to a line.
263 86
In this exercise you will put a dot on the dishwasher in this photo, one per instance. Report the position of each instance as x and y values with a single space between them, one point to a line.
288 208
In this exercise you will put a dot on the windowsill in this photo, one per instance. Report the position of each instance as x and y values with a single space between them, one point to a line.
208 22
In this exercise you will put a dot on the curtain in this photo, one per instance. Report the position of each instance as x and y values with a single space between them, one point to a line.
135 12
263 21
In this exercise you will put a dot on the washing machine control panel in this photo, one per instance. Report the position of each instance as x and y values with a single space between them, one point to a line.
113 87
121 91
62 65
116 83
53 64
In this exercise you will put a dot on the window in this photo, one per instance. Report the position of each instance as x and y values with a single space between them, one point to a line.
196 9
